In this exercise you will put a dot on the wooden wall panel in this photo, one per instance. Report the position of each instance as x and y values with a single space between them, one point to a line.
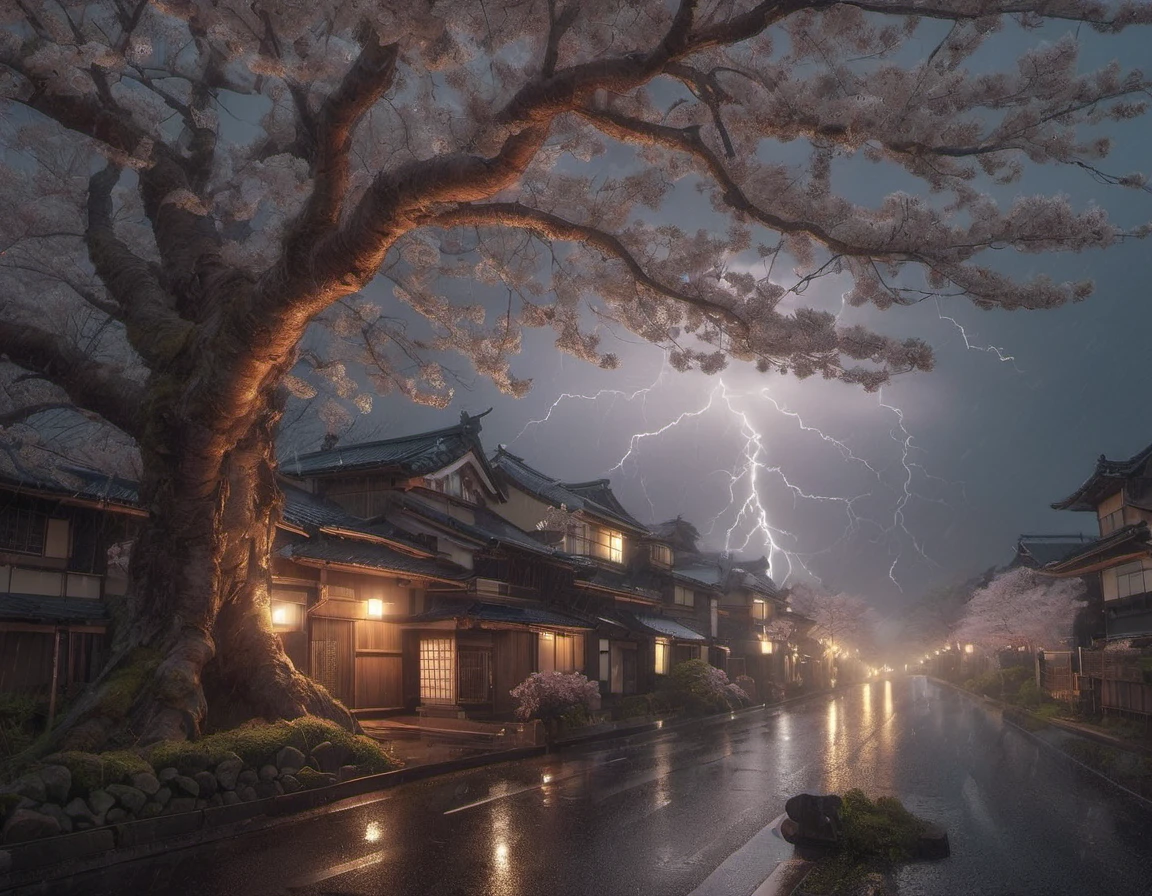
379 682
331 656
513 662
372 635
26 662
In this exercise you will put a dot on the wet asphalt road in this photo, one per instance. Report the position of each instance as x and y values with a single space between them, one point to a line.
691 811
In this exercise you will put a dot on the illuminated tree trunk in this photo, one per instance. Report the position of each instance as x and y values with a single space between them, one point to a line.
195 650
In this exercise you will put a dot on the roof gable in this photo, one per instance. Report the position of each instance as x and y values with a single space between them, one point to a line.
594 498
419 454
1107 479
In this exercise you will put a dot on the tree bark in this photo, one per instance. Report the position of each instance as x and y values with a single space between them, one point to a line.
195 650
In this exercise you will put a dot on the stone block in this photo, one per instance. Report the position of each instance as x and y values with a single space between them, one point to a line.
228 772
101 801
130 798
28 824
206 782
185 785
289 760
57 783
146 782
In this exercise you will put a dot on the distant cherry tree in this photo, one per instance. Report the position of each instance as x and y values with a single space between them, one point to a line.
188 186
1021 609
842 620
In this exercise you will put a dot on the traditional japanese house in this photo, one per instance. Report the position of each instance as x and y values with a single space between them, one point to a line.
58 529
623 580
1119 493
342 589
461 641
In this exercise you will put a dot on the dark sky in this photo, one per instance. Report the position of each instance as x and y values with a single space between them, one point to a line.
986 446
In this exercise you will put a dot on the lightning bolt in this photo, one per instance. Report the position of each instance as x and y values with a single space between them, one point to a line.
971 346
751 517
615 394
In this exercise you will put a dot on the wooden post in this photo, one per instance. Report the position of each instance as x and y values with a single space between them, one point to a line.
55 677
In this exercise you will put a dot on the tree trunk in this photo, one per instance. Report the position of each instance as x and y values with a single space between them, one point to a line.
195 651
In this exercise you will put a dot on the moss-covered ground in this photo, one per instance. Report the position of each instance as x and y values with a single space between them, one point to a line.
877 835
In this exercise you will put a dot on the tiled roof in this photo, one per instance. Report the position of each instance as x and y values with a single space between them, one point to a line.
594 497
488 528
591 573
509 615
308 511
1135 536
416 454
76 482
1040 551
672 628
35 607
366 555
311 512
1106 479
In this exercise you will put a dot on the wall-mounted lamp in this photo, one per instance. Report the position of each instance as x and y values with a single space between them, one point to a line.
375 608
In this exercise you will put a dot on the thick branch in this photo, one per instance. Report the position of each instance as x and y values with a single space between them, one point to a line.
153 330
94 386
549 226
364 84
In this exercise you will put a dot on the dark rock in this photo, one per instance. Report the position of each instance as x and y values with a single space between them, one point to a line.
150 810
348 772
80 812
31 786
5 861
206 781
167 774
228 771
184 784
163 795
269 773
328 757
933 843
57 782
101 801
247 778
60 815
215 800
28 824
289 760
231 797
182 804
290 784
265 789
146 782
247 793
115 815
817 820
131 799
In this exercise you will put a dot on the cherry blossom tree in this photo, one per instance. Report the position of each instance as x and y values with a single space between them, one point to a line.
1020 608
189 186
841 619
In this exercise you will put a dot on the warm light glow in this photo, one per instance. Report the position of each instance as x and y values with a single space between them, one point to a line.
765 646
547 636
968 648
546 779
280 615
500 853
375 608
374 832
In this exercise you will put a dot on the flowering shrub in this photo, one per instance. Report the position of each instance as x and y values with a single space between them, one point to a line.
701 688
549 695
